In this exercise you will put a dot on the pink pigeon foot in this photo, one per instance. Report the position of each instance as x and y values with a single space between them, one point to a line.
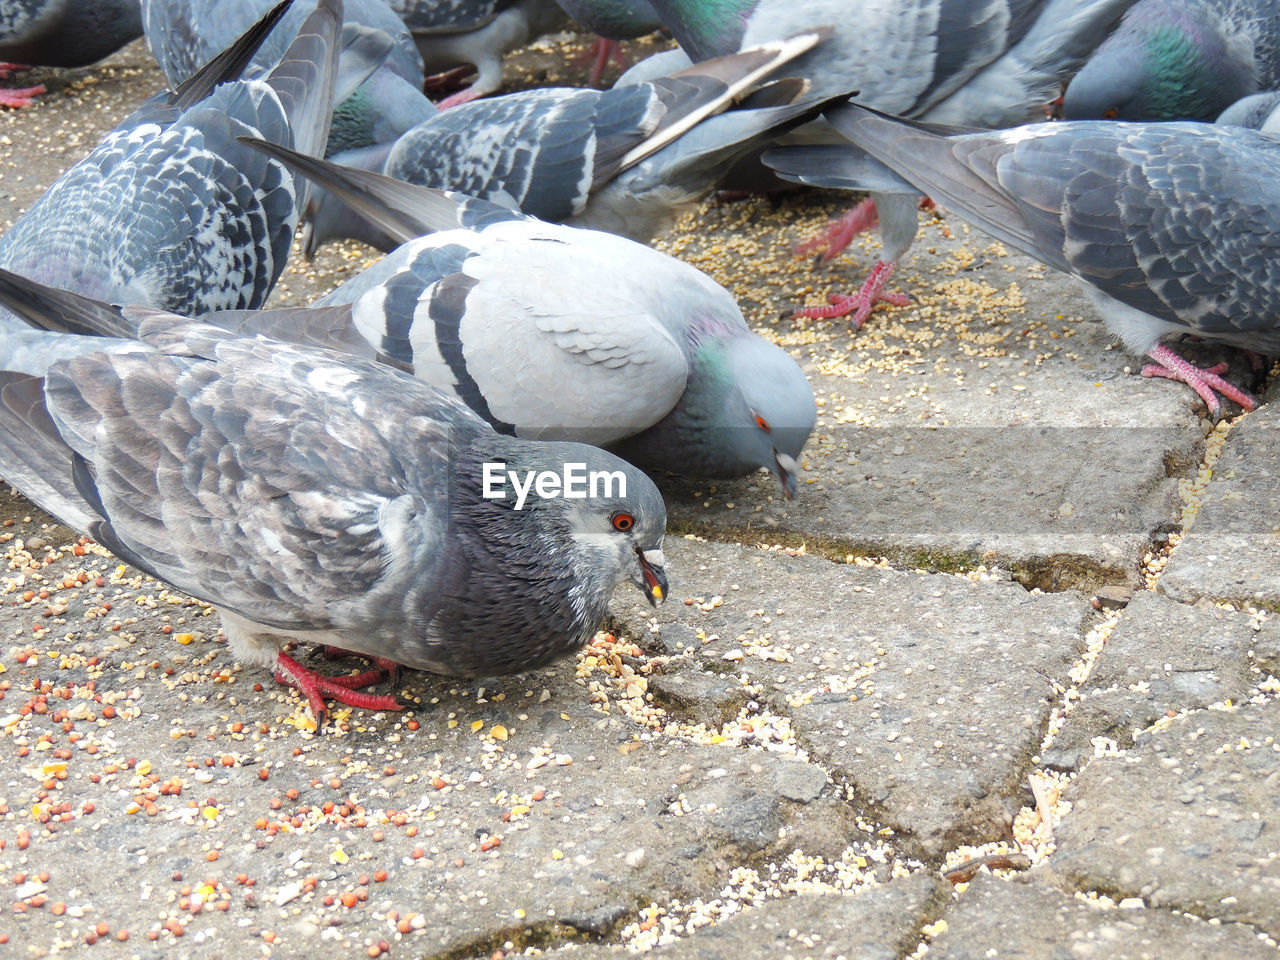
1206 381
448 79
315 687
602 51
21 97
860 303
7 70
389 668
840 233
459 98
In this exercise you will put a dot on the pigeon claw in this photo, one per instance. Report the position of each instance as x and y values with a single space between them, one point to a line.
316 687
858 306
1205 381
21 97
839 233
459 98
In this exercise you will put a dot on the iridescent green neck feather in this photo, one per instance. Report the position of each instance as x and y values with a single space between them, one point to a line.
706 28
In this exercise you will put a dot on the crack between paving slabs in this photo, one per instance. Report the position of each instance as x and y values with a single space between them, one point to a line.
612 679
1039 844
1054 573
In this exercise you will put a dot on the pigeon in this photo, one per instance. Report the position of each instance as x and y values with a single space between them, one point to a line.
1172 228
991 64
313 496
1254 111
1179 60
492 305
611 21
464 33
184 34
628 160
380 74
61 33
182 216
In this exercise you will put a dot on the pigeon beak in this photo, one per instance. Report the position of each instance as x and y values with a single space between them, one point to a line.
655 578
786 469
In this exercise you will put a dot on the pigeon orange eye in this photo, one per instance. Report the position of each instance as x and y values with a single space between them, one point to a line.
1110 113
762 423
623 522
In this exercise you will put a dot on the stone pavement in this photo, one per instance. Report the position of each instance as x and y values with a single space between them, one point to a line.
1020 618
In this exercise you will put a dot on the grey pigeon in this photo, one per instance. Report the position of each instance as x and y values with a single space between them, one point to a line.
380 74
554 332
61 33
628 160
1179 60
179 214
311 496
995 63
612 21
185 34
475 33
1172 228
1254 111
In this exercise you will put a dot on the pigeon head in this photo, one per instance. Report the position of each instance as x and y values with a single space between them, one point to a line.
771 408
575 504
1166 61
746 405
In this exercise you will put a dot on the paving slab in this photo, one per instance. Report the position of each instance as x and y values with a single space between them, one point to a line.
821 713
925 695
1025 918
990 422
1188 819
1232 551
879 923
501 810
1162 658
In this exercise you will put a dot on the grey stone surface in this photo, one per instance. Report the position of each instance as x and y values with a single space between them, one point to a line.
975 426
1164 657
882 923
925 694
149 784
590 822
1027 919
1188 819
1233 550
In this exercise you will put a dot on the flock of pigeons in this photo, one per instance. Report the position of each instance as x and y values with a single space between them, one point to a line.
414 469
